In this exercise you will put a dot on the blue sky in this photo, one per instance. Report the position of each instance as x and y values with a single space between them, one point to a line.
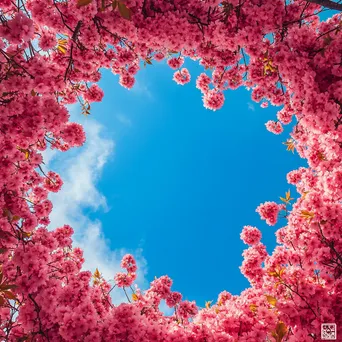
171 182
184 180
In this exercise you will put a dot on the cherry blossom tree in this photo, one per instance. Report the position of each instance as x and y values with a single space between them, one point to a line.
51 54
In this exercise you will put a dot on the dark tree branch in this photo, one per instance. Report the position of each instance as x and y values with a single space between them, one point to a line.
328 4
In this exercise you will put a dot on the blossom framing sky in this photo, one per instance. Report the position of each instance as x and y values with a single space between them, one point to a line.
171 182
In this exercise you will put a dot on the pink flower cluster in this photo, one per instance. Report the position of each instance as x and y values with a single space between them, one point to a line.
175 63
187 309
213 99
124 280
94 94
269 211
128 262
274 127
182 76
250 235
202 82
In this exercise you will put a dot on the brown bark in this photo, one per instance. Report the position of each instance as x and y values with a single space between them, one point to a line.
328 4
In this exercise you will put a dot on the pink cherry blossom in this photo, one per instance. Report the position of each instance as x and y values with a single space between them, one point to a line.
250 235
202 82
274 127
213 100
123 279
182 76
175 62
269 211
128 262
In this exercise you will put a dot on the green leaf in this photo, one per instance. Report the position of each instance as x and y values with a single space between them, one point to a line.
3 250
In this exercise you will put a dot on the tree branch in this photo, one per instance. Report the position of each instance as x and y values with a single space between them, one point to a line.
328 4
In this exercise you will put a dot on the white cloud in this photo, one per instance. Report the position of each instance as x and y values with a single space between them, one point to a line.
80 173
97 254
80 169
